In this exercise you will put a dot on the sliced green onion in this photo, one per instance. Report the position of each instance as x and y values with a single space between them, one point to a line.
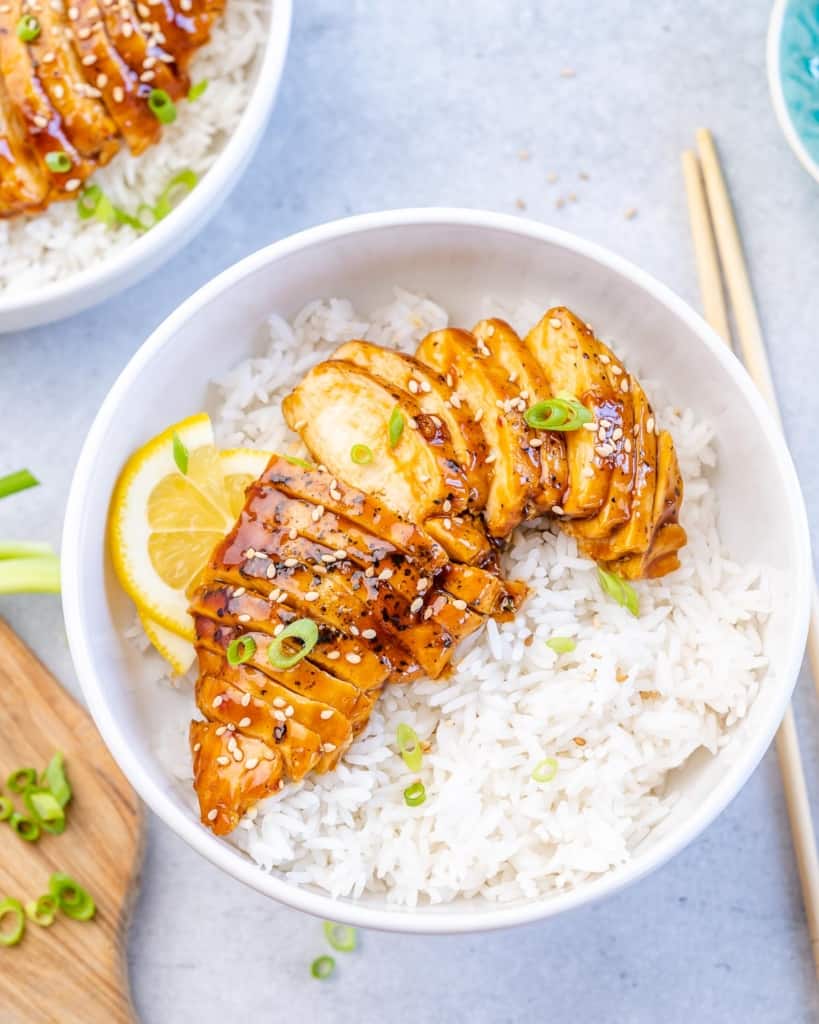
46 810
14 482
561 644
294 461
162 106
30 575
21 780
619 590
93 202
54 778
180 454
361 454
58 161
303 630
415 794
74 901
145 217
322 967
174 192
396 427
26 828
240 650
24 549
409 747
12 922
28 28
557 414
545 770
6 808
43 910
197 90
341 937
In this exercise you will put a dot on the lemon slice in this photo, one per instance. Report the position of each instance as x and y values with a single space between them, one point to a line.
178 652
241 466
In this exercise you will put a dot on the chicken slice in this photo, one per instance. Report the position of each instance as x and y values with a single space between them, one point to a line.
138 45
85 120
183 25
337 406
432 394
23 180
523 372
482 386
228 788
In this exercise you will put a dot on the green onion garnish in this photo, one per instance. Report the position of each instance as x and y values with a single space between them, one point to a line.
30 575
557 414
15 482
303 630
409 747
294 461
73 900
196 91
415 794
322 967
6 808
55 780
619 590
361 454
12 922
561 644
545 770
162 106
174 192
21 780
43 911
93 202
396 427
341 937
26 828
240 650
28 28
180 454
24 549
58 161
46 810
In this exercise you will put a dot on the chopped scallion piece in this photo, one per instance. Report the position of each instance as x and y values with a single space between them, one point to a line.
619 590
342 937
26 828
43 911
74 901
174 192
180 454
28 28
6 808
557 414
294 461
396 427
240 650
56 781
14 482
58 161
415 794
322 967
12 922
162 106
197 90
561 644
46 810
409 747
303 630
361 454
21 780
545 770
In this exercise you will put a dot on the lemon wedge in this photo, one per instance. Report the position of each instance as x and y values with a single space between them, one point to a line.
178 652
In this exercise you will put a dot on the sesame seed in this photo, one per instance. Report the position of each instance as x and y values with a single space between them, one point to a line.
455 399
615 370
317 513
413 385
423 584
245 701
48 58
279 716
460 604
624 385
249 553
218 700
40 121
328 558
245 722
449 381
603 450
490 458
89 59
244 617
627 444
223 759
147 76
278 629
212 814
83 33
536 442
588 472
513 377
291 563
143 10
385 574
426 387
328 748
650 424
221 730
73 13
237 755
333 655
369 634
279 702
447 523
447 506
590 426
149 62
416 605
413 423
311 595
556 322
479 416
250 764
369 572
102 81
238 591
353 658
341 554
355 630
335 494
119 94
282 598
197 747
326 714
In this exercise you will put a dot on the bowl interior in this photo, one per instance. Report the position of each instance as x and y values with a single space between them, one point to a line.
458 265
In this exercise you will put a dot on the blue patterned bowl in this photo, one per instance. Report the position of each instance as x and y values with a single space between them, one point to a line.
793 75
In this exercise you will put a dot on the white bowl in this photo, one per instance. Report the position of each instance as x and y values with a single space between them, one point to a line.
455 256
91 286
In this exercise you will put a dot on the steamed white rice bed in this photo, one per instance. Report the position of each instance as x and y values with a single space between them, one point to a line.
486 828
55 244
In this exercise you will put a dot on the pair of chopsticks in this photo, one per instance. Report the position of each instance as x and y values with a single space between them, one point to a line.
717 243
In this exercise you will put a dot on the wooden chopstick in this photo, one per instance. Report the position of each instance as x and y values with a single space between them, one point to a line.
711 205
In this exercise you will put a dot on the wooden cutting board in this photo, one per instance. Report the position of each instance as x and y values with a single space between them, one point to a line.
73 972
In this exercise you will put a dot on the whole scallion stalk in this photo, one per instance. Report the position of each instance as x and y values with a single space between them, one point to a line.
26 566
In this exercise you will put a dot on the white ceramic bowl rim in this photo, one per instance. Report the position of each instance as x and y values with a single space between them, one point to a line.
447 920
208 193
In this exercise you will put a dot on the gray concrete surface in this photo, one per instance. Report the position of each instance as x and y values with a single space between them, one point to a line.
389 104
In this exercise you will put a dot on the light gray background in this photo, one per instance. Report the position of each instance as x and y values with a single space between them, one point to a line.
391 103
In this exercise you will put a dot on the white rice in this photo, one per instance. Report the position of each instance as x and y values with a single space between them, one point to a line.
641 695
55 244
